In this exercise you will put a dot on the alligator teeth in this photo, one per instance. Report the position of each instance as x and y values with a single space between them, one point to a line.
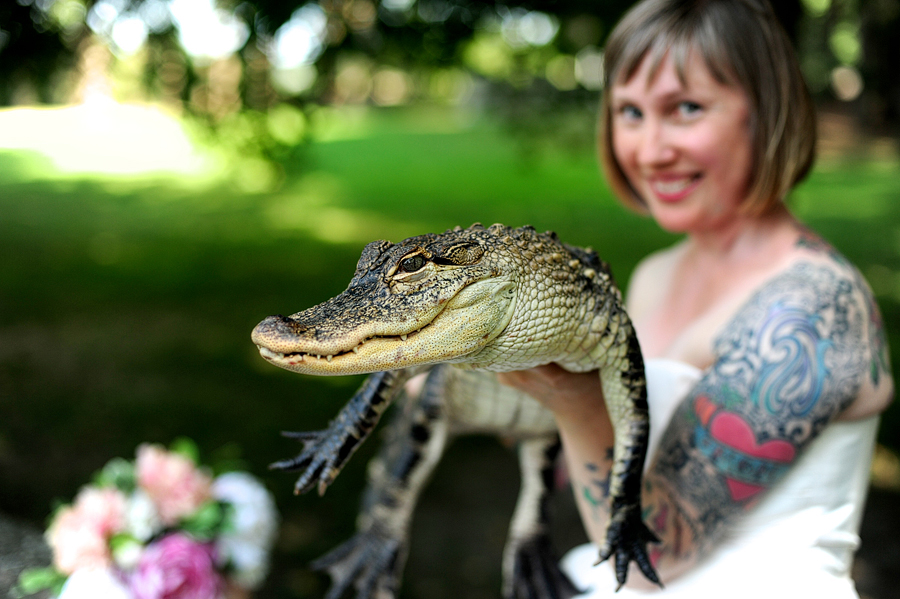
403 337
329 358
269 354
318 357
356 349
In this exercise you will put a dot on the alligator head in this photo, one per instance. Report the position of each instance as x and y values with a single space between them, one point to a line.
428 299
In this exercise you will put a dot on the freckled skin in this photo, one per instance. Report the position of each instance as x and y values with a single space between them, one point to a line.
490 299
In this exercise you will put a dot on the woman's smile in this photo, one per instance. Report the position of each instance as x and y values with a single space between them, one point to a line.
673 188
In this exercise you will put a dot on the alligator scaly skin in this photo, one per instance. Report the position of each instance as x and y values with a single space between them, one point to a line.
491 299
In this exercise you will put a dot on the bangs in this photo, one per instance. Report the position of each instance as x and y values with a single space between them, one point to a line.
676 36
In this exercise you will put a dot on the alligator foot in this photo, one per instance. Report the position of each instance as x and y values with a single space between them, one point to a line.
536 573
627 538
325 452
369 561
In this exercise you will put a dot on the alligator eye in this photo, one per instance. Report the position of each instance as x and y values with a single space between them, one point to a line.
412 264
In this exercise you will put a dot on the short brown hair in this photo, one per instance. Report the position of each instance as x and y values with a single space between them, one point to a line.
742 44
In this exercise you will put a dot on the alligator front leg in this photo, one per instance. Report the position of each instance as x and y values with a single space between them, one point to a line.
325 452
530 566
372 560
625 391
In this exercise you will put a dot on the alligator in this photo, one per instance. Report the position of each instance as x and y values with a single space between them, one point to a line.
460 306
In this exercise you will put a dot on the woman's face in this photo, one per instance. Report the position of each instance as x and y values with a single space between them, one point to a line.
685 147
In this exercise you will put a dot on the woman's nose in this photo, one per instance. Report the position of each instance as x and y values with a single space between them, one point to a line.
656 147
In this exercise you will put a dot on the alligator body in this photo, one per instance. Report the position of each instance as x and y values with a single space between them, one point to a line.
481 299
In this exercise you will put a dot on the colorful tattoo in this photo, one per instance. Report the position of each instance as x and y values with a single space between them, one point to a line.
792 359
881 360
880 356
665 515
729 444
596 492
811 240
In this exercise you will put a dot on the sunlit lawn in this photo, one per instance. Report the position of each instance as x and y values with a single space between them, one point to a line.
126 308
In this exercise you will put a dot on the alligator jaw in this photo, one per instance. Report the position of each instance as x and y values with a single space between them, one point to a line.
342 362
444 337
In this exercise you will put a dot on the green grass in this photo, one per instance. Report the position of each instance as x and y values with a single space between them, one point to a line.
126 308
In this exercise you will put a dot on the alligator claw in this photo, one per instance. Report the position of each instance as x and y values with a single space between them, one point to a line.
626 539
536 573
325 452
372 562
321 459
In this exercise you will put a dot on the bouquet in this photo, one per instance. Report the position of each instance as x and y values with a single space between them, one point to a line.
159 527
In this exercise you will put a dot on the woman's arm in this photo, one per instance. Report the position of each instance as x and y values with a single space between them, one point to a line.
576 399
796 356
793 358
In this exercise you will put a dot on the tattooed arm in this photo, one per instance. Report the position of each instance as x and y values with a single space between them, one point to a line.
794 358
797 355
576 399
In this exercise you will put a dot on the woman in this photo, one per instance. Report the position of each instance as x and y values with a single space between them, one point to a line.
766 360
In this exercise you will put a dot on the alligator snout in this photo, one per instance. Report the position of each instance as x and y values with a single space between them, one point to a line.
276 332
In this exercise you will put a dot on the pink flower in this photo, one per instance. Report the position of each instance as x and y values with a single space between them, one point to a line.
172 481
177 567
80 533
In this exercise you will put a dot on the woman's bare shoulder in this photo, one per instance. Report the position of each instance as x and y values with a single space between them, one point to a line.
650 277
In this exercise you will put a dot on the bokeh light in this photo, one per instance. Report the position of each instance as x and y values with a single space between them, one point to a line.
104 137
589 68
301 39
522 27
846 83
207 32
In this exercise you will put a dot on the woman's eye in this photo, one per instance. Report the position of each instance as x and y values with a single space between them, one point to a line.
412 264
688 108
631 113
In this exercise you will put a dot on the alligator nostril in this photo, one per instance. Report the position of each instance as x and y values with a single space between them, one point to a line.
271 326
277 326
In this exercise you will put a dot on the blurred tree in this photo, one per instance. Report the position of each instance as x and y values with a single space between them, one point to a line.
879 26
32 53
221 58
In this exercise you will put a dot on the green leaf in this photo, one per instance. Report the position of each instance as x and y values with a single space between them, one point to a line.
35 580
118 473
121 540
206 522
187 448
125 549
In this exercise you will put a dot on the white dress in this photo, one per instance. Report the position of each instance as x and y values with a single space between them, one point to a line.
797 542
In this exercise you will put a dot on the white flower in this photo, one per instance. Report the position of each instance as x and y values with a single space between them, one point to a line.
251 563
94 583
254 526
142 519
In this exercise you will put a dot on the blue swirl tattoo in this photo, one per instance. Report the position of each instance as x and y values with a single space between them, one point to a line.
794 373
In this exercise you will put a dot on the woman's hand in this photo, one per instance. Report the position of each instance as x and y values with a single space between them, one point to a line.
576 400
566 394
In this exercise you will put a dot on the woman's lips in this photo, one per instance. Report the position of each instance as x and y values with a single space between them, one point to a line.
673 189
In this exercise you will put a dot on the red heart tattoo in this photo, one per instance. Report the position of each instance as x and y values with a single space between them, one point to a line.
728 441
764 458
